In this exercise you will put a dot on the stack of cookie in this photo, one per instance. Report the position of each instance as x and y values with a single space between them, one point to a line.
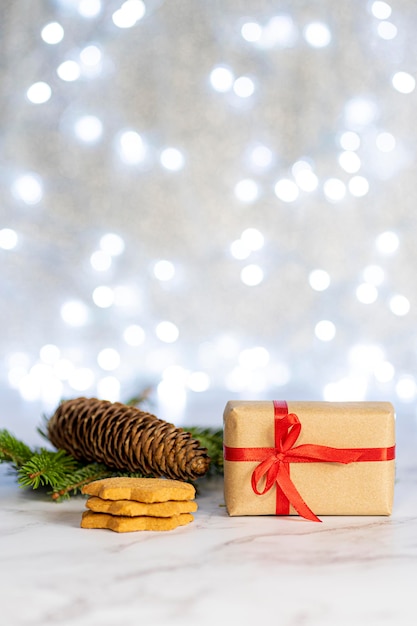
128 504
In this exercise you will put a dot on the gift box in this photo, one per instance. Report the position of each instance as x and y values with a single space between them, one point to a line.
309 458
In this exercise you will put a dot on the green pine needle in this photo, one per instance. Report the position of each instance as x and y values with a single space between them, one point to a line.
140 399
72 483
45 468
12 450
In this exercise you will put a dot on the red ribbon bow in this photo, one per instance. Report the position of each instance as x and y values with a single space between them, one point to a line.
274 465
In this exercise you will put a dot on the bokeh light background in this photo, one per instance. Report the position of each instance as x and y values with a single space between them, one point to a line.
216 199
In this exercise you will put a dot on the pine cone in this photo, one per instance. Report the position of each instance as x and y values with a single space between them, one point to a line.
126 438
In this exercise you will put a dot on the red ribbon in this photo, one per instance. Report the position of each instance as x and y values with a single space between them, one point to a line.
275 462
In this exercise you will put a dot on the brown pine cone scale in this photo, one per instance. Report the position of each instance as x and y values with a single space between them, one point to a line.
125 438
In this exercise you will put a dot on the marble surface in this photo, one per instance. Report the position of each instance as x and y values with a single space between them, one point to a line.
286 571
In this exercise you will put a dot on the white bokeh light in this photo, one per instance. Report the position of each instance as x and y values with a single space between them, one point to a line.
167 332
41 383
237 380
164 270
286 190
240 379
38 93
91 56
399 305
172 159
103 296
112 243
325 330
64 368
387 242
404 82
81 379
8 239
374 274
15 375
131 147
365 357
281 31
246 190
52 33
252 275
358 186
29 389
52 392
319 280
251 31
19 359
28 188
349 161
176 374
317 34
406 388
280 374
385 142
253 238
239 249
366 293
172 400
69 71
304 176
130 12
100 261
198 381
253 358
89 8
261 157
108 359
75 313
108 388
381 10
387 30
88 128
125 296
334 189
49 354
384 372
348 389
350 141
134 335
359 113
221 79
244 87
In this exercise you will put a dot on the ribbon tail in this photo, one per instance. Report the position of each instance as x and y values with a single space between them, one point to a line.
289 490
268 468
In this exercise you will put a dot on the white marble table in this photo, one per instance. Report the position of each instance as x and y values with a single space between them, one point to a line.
242 570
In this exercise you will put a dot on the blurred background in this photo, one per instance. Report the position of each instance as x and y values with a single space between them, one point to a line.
213 200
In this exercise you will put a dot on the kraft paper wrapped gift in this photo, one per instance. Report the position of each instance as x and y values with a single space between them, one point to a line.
310 458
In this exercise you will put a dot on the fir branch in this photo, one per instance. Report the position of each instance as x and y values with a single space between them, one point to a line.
140 398
12 450
45 467
72 483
